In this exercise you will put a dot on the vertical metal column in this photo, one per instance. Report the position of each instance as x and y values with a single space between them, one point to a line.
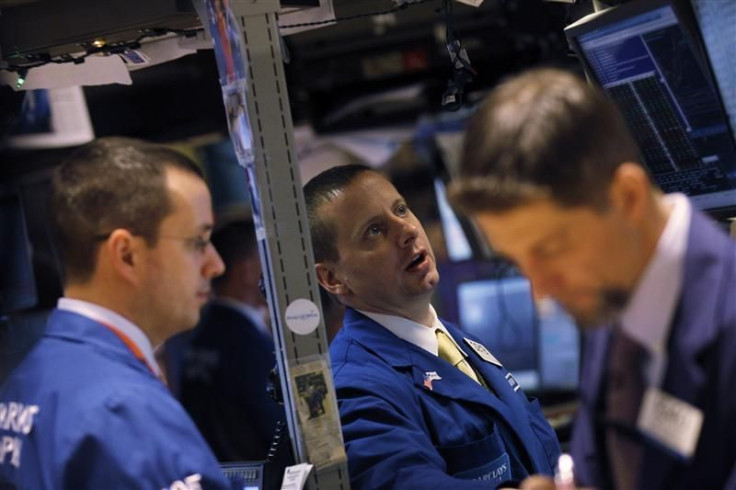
286 248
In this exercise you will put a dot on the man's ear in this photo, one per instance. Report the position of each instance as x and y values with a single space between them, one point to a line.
630 191
328 279
123 253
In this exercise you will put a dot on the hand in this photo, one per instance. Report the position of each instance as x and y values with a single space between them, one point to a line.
537 482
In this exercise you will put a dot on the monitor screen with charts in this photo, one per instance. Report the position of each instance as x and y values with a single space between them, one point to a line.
648 56
537 341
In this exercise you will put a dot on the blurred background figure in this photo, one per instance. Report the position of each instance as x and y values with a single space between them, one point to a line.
220 370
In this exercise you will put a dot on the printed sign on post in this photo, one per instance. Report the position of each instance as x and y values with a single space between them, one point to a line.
318 416
302 316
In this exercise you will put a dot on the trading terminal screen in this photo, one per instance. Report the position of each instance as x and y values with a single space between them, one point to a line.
537 341
643 57
538 344
717 22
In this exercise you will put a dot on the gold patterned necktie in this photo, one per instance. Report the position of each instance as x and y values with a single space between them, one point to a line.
448 351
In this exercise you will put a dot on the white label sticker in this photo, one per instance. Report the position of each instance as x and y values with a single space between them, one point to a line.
135 57
302 316
295 477
484 353
674 423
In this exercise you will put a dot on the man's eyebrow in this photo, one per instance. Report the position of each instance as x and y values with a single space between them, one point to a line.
552 235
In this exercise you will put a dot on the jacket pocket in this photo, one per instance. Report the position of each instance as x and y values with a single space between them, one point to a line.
484 459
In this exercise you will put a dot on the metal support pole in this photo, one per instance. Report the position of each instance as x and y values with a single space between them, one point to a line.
264 142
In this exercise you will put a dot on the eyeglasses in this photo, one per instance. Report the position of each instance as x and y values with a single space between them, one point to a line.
197 243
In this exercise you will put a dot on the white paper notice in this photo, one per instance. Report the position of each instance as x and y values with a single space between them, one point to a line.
318 415
61 120
296 476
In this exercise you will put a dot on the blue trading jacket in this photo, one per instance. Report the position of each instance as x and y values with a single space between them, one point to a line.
412 420
81 412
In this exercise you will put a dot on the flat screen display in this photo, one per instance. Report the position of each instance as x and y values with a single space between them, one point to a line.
647 56
537 341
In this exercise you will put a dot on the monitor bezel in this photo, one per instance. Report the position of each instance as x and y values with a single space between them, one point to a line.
447 304
687 19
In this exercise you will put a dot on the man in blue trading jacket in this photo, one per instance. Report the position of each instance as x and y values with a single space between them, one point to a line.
553 177
86 409
410 418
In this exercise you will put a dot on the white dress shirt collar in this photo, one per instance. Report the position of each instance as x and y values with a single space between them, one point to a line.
413 332
105 316
649 313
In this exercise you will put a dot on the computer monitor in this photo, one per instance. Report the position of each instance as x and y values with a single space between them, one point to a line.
246 475
648 56
535 340
456 238
17 283
717 22
501 313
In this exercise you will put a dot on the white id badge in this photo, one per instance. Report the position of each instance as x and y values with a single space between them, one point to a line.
481 350
671 422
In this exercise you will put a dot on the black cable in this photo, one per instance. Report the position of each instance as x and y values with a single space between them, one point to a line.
451 37
447 6
108 49
357 16
462 72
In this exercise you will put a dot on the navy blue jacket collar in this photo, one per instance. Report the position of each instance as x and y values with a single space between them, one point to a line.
73 327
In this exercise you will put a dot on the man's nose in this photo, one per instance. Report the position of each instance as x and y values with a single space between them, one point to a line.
408 232
213 266
545 281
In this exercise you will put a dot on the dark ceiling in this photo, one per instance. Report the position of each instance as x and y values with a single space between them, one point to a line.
333 65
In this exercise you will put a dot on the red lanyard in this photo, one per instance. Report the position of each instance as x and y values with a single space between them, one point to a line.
132 346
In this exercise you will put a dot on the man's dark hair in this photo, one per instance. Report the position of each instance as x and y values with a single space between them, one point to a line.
108 184
234 242
320 190
543 134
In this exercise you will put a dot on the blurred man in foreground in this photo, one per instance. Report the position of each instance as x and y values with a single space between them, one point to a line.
553 177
